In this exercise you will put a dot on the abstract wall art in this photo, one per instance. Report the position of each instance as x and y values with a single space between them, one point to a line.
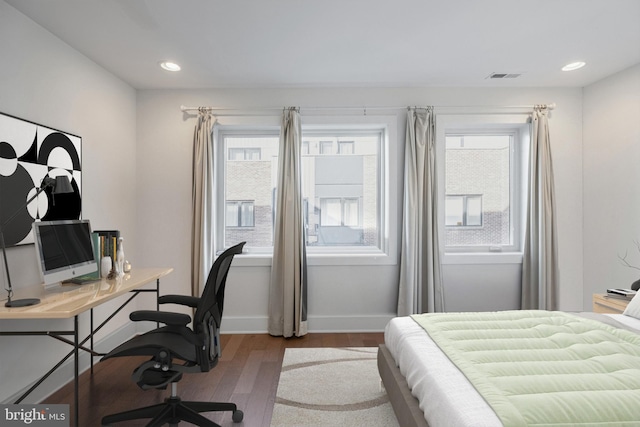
28 153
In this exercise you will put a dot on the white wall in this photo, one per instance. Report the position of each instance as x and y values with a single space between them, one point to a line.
137 174
354 297
611 181
45 81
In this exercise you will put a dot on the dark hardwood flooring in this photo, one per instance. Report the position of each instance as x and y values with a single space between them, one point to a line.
247 374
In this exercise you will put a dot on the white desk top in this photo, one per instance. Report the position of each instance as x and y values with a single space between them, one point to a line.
66 301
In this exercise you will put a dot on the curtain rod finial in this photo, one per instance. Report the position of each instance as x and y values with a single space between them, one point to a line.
545 106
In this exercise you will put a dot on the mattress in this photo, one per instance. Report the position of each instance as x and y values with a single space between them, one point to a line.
446 396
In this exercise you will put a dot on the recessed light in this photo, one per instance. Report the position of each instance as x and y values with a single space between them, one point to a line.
169 66
573 66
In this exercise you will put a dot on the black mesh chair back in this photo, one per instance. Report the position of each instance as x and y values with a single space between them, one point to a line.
208 316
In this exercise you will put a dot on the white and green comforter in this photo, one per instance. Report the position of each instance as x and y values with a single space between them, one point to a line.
539 368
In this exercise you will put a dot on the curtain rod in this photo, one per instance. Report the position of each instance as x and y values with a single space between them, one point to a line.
365 108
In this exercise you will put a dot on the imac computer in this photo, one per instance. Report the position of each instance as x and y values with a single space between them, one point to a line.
64 249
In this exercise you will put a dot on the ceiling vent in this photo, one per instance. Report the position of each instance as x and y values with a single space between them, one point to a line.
503 76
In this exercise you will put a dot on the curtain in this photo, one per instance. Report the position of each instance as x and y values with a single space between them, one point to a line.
203 201
540 266
288 288
420 286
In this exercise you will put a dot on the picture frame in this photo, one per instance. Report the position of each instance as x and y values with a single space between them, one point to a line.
28 152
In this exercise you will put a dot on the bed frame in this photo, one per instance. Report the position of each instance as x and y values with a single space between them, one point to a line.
404 405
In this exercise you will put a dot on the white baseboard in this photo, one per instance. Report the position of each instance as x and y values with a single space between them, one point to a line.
255 325
244 325
64 374
373 323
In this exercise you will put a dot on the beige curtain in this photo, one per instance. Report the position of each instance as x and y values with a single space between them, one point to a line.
540 266
288 289
203 201
420 286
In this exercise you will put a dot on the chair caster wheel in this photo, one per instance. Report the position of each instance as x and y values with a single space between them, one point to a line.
237 416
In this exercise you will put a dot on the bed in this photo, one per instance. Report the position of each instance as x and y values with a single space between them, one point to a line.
427 389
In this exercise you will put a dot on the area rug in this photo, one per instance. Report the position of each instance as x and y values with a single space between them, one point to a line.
331 387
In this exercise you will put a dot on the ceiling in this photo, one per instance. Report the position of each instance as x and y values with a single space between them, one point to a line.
306 43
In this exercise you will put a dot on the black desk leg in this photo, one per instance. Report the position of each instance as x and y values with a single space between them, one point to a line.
91 332
157 299
76 369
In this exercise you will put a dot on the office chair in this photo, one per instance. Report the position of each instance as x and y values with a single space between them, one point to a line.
176 349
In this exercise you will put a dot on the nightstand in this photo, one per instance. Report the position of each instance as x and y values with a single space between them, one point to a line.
605 304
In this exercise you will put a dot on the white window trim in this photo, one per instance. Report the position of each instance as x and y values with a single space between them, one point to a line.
516 124
389 200
482 258
389 170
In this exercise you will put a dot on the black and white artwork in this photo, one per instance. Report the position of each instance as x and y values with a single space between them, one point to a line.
28 153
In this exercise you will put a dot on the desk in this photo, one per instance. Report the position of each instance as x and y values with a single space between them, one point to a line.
69 301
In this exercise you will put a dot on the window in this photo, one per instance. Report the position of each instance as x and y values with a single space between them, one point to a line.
463 210
326 147
345 147
350 212
339 212
344 188
482 186
478 163
249 186
244 153
240 214
343 191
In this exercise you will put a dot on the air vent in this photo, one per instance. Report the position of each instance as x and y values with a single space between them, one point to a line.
503 76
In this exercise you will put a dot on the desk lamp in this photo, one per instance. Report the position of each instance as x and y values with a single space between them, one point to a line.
59 185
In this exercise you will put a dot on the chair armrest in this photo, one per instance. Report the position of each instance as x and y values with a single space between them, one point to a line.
166 317
179 299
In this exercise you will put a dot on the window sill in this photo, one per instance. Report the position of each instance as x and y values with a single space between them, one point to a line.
264 260
483 258
252 260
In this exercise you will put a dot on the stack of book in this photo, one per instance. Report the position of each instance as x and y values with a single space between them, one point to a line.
621 293
105 244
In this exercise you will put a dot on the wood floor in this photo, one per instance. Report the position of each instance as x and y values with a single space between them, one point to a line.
247 375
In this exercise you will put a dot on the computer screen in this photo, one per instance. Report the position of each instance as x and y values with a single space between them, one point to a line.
64 249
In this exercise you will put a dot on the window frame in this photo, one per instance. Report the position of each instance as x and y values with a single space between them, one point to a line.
326 148
342 146
241 129
342 201
239 204
390 174
465 211
334 132
246 152
515 125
